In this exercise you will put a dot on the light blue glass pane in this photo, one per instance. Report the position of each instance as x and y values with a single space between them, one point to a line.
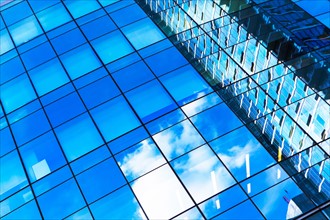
18 199
78 137
98 27
7 142
11 69
112 46
127 15
146 105
16 93
115 118
80 61
107 2
57 94
166 61
100 91
178 139
81 214
53 17
24 131
128 208
140 159
185 85
64 109
45 82
133 76
90 78
39 5
65 197
100 180
240 151
16 13
79 8
325 19
25 30
5 42
28 211
143 33
42 156
222 115
315 8
38 55
12 175
246 210
68 41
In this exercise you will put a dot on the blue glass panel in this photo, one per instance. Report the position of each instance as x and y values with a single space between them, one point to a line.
78 137
222 115
246 210
45 82
32 43
57 94
123 62
157 48
81 214
11 69
38 55
61 30
65 197
107 2
5 42
241 152
321 7
13 202
79 8
16 13
51 180
146 105
64 109
98 27
91 17
91 77
23 111
111 46
185 85
128 15
12 175
80 61
128 208
115 118
16 93
92 158
178 139
28 211
7 142
100 180
325 19
68 41
133 76
42 156
128 140
27 128
166 61
117 4
99 91
140 159
142 33
25 30
47 17
39 5
2 24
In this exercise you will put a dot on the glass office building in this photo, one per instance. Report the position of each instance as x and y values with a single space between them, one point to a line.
165 109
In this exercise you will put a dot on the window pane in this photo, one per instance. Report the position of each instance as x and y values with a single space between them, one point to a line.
7 142
79 8
128 15
11 69
112 46
25 30
24 131
5 42
202 173
45 82
78 137
80 61
178 139
98 27
16 93
140 159
68 41
146 105
125 203
42 156
100 180
16 13
28 211
16 200
185 85
12 175
46 17
114 118
65 197
222 115
133 76
142 33
38 55
246 210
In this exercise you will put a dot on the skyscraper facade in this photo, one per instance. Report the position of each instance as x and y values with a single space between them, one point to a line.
165 109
